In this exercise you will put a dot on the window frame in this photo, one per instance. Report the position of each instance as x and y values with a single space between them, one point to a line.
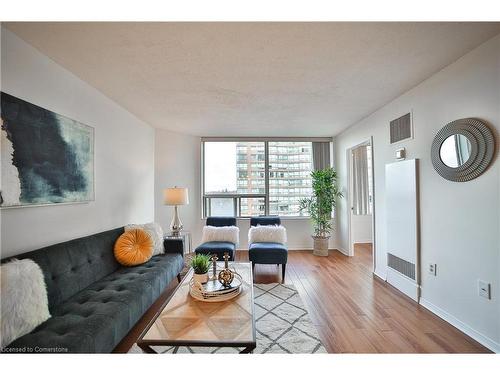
237 197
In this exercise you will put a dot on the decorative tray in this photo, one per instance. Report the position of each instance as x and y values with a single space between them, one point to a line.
214 291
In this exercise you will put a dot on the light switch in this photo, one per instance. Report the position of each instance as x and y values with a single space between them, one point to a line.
401 154
484 289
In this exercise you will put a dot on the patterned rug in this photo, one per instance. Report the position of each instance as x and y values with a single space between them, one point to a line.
281 321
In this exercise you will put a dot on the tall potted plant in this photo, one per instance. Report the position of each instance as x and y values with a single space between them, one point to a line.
320 206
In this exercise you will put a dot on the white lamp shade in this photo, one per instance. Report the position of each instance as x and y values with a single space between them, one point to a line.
175 196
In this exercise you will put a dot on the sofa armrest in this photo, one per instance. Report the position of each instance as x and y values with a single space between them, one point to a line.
174 245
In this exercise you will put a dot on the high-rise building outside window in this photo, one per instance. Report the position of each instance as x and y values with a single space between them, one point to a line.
235 183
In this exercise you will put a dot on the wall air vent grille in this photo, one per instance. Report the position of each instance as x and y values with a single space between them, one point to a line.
401 128
402 266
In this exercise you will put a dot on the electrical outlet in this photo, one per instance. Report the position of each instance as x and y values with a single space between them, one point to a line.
433 269
484 289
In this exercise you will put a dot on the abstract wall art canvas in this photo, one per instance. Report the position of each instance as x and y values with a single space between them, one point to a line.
46 158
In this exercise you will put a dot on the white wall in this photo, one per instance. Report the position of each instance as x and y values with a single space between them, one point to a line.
298 232
178 162
361 228
124 154
459 221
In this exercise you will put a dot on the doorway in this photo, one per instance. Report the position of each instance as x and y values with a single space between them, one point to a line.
361 200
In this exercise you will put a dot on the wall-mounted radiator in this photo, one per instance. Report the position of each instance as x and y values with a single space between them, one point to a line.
402 225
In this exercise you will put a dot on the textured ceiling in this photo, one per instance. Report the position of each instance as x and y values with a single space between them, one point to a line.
254 79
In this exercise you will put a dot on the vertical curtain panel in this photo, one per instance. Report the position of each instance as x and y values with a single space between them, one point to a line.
321 155
361 199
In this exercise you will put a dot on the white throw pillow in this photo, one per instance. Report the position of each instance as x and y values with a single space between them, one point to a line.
156 233
24 302
221 234
267 233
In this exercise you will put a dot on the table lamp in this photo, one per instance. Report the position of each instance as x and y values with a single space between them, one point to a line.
175 196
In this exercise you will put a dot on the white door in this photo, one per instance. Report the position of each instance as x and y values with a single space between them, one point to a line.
361 195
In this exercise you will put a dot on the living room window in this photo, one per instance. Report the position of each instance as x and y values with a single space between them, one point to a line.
260 176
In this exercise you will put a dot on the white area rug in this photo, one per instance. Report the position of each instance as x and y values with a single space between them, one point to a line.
282 323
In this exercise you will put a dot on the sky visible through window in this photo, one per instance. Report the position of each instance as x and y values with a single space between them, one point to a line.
239 169
220 167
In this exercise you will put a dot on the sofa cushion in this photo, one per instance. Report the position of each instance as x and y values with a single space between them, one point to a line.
97 318
267 253
217 248
71 266
150 278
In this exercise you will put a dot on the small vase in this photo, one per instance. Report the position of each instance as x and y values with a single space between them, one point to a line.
201 277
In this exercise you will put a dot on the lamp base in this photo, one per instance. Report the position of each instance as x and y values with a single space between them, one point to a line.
176 224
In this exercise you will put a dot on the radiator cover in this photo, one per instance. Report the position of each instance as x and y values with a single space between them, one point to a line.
402 266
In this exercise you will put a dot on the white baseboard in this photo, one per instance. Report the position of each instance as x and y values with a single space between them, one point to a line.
457 323
402 283
362 242
383 278
339 249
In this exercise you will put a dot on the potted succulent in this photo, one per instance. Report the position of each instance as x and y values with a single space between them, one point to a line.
320 206
200 264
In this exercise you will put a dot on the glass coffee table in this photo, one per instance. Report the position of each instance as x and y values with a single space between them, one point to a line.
184 321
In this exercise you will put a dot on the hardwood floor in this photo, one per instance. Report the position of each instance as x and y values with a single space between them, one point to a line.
354 311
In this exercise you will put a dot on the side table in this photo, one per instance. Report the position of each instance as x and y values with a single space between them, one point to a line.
182 239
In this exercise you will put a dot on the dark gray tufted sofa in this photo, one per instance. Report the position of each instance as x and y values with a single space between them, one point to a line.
93 300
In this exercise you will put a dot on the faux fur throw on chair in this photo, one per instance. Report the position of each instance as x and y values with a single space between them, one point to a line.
221 234
24 299
267 233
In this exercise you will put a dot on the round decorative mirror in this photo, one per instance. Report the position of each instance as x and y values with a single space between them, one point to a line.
463 149
455 150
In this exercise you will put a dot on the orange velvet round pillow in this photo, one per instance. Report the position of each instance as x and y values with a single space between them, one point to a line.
133 247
